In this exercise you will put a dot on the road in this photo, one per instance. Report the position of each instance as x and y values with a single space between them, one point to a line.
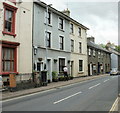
92 95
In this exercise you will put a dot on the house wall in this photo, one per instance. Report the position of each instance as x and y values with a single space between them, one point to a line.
39 40
23 31
102 63
76 56
114 61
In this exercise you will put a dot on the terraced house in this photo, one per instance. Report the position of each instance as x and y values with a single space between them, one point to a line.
99 59
58 41
15 39
35 37
78 47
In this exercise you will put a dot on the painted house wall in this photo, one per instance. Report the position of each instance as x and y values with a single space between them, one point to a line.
23 31
39 39
76 56
114 61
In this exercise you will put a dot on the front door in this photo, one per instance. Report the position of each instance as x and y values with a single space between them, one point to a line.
72 65
49 70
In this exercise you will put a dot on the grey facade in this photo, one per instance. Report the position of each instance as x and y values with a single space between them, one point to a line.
115 58
58 53
99 60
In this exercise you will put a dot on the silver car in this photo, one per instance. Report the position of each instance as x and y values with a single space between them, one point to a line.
114 71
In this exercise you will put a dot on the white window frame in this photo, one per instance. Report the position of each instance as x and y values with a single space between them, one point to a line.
73 45
63 42
94 53
45 16
89 51
79 33
45 38
63 23
71 28
82 65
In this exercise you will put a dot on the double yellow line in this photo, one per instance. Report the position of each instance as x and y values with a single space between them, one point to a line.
114 106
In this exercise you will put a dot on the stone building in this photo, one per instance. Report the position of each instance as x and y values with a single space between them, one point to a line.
99 59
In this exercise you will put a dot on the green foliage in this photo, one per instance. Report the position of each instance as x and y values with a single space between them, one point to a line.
117 48
54 75
103 45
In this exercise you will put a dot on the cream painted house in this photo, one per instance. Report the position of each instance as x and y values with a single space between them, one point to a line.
15 38
78 47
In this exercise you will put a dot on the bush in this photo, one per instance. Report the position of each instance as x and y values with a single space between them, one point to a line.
55 76
61 78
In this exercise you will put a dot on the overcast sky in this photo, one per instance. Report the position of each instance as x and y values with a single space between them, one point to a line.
100 17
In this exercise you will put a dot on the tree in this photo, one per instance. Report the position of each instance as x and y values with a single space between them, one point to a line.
117 48
103 45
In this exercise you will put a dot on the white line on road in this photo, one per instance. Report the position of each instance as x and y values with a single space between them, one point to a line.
67 98
28 95
94 86
106 80
114 77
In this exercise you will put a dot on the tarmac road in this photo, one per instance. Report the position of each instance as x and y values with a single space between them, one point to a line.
92 95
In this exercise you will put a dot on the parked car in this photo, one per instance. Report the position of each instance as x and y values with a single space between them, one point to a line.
114 71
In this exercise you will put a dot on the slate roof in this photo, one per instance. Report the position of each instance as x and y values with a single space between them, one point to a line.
60 13
92 44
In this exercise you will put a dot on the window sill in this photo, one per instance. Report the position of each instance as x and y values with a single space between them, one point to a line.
8 33
80 72
48 24
7 73
61 30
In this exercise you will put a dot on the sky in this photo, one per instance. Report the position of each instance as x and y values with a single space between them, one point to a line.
100 16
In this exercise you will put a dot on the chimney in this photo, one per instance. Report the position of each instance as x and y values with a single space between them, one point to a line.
66 12
92 39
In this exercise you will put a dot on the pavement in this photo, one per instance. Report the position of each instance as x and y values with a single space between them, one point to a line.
9 95
97 94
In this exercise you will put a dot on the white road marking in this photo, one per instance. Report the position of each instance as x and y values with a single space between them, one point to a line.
106 80
114 77
67 98
28 95
94 86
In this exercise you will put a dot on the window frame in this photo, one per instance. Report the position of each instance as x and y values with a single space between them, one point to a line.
80 47
9 60
79 32
13 45
61 43
89 51
49 40
94 53
13 10
71 28
48 17
72 45
61 64
61 24
81 65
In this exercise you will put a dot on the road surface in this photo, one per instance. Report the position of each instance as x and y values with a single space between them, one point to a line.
92 95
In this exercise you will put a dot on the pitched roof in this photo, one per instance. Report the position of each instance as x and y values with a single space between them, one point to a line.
61 14
92 44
